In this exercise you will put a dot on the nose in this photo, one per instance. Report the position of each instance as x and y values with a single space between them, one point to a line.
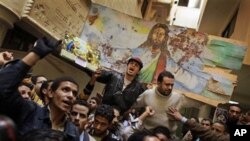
98 126
71 95
26 96
170 86
77 116
234 114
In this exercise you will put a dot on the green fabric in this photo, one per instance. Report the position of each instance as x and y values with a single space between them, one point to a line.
147 74
226 54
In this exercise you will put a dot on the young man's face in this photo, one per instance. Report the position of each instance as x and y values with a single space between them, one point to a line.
166 86
93 104
101 125
158 36
39 83
64 96
79 116
206 124
133 68
116 117
25 92
234 113
217 127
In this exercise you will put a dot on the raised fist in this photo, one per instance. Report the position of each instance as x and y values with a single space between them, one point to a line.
5 57
44 46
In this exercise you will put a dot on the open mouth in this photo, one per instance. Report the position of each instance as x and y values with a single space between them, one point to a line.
77 124
68 103
131 69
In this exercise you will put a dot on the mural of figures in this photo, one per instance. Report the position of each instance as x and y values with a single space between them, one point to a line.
187 54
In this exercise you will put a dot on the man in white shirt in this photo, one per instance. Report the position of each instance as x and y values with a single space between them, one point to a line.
160 99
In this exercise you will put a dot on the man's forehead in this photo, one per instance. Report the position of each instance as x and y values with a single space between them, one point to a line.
167 79
235 108
68 84
78 108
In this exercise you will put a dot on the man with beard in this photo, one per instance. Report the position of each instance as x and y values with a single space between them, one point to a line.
233 115
122 89
154 53
160 99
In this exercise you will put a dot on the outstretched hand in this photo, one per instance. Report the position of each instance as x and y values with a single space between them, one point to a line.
44 46
174 113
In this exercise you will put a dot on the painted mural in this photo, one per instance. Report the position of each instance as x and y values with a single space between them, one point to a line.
109 38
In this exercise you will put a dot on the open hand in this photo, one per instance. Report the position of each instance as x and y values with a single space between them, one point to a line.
174 113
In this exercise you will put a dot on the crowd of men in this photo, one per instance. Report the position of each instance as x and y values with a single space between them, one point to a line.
33 108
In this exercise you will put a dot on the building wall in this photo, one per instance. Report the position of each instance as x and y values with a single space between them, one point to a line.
242 28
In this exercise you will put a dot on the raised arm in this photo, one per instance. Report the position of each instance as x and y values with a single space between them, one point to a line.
197 129
90 86
13 74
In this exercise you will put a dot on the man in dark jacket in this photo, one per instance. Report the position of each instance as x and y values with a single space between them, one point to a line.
27 114
121 90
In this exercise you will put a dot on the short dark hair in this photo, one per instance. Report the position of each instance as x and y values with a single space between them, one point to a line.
45 135
140 135
82 103
236 105
44 85
56 83
30 86
221 123
163 130
105 111
207 119
164 74
98 101
34 78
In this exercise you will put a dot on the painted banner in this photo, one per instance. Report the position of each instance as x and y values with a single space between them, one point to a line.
109 38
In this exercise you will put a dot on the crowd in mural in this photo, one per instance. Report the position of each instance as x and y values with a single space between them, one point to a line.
33 108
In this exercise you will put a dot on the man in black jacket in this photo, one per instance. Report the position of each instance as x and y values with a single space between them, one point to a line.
121 90
27 114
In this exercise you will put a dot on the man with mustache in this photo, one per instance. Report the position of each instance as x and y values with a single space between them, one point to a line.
160 99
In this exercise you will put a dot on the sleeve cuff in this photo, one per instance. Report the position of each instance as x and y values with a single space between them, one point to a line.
184 119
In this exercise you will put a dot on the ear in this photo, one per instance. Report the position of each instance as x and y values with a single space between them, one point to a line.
50 93
44 91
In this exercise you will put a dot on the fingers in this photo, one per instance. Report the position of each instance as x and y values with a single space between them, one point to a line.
150 110
8 55
172 109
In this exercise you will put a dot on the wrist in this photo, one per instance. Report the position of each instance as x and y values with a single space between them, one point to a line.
183 119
